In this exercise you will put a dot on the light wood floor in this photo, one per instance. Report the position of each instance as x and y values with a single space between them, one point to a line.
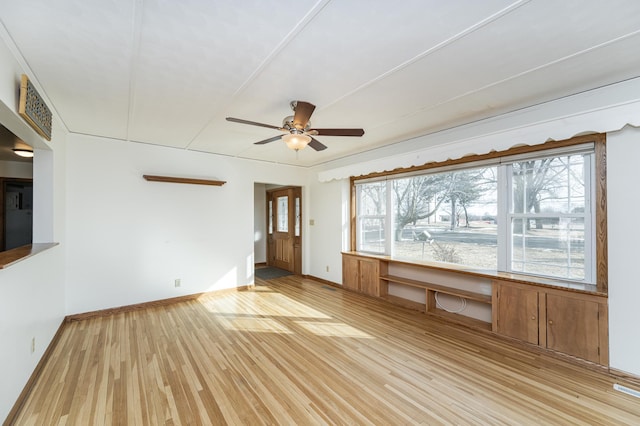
293 351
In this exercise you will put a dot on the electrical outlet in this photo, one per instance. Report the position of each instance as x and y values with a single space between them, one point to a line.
178 282
327 268
33 344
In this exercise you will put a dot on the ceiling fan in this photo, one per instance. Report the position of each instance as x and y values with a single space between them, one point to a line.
297 128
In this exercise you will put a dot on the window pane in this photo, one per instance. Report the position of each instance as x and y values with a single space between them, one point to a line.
283 214
549 185
372 199
371 235
371 217
549 246
270 217
447 217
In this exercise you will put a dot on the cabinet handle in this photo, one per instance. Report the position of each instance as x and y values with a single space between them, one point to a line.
550 322
533 318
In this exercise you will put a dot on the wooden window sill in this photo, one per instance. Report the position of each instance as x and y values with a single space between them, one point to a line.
519 278
13 256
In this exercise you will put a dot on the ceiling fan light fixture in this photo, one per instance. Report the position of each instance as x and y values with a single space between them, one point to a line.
296 141
26 153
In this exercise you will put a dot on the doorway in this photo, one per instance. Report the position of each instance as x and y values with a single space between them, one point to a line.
284 228
16 213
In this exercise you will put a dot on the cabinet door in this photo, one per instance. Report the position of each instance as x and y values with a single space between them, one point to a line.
350 273
573 326
369 277
517 313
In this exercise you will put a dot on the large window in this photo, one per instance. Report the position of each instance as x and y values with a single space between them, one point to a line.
529 214
549 216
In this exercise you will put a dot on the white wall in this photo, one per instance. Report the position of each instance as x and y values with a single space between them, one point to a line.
328 209
260 223
16 169
129 239
32 292
623 204
31 306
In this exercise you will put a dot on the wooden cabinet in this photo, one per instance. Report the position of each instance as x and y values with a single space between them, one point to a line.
516 312
351 273
361 274
573 326
573 323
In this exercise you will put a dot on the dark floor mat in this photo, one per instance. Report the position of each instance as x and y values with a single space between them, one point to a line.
270 273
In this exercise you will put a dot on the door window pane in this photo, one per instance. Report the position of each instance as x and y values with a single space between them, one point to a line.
270 217
283 214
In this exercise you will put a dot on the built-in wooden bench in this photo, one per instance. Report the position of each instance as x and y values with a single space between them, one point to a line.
484 298
431 305
566 317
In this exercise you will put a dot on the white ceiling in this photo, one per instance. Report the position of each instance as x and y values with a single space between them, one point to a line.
169 72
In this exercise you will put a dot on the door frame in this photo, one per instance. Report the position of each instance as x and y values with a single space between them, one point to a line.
294 225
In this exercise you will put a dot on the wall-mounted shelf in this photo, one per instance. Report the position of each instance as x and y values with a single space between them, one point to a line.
171 179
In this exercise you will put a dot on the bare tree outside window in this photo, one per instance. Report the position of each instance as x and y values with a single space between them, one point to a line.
543 222
548 212
371 205
447 217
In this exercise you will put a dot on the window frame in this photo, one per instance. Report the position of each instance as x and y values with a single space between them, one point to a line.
385 218
587 215
597 250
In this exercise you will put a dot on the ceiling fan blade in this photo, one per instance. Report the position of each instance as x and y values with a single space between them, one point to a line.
317 145
275 138
337 132
302 114
252 123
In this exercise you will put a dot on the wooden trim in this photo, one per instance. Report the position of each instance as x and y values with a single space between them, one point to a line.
405 303
352 213
28 387
152 178
495 296
596 138
323 281
152 304
281 188
530 280
542 319
463 320
297 239
623 375
602 261
13 256
603 332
